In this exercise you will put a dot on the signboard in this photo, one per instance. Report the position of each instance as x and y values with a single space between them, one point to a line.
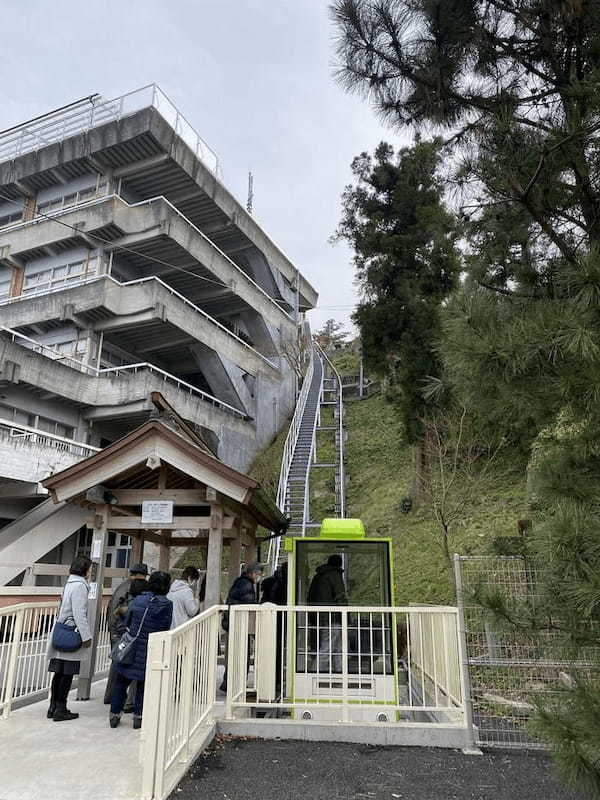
155 512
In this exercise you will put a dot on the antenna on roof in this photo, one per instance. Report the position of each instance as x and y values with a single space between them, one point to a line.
250 192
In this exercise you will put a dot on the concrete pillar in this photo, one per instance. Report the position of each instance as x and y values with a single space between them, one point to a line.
213 558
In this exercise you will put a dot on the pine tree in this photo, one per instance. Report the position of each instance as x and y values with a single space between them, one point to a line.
515 87
404 243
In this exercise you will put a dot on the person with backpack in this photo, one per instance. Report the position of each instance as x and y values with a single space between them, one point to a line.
120 599
148 613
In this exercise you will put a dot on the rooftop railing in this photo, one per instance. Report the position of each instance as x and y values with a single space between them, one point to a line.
34 436
57 127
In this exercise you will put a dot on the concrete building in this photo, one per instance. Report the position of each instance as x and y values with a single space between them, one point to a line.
127 268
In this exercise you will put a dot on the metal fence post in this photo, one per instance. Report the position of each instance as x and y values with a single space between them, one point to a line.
465 680
13 658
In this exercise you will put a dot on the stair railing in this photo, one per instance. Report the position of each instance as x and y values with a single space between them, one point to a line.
340 430
288 454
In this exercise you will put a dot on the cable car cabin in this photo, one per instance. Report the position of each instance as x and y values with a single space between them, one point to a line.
341 655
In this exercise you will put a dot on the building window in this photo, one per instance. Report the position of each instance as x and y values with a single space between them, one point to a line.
73 198
5 289
47 279
10 219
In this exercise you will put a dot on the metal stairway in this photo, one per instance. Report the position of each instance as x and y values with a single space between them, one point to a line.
293 497
296 505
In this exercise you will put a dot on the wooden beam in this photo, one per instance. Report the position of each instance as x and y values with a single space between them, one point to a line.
195 523
99 540
184 497
137 548
195 541
164 554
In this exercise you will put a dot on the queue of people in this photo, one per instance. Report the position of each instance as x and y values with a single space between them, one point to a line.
142 604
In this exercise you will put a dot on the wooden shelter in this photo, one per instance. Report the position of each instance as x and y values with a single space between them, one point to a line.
161 483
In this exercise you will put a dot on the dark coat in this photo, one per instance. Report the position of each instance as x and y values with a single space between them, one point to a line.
242 592
327 587
158 618
120 597
274 588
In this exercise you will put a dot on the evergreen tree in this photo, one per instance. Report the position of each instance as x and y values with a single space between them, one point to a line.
515 86
406 262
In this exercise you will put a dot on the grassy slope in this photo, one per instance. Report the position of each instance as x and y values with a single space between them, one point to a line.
379 468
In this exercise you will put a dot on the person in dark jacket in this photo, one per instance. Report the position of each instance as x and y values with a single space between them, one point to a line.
243 591
148 613
120 597
274 590
327 588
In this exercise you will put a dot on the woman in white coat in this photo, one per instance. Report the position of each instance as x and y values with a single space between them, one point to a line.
74 613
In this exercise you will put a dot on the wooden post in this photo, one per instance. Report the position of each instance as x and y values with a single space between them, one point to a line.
213 557
164 552
235 556
98 551
137 548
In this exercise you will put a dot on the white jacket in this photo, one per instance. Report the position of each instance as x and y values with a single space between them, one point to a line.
185 605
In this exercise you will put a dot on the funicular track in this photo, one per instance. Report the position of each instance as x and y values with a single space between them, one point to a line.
322 386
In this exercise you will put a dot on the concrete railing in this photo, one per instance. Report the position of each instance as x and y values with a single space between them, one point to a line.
180 696
151 280
24 632
126 369
61 125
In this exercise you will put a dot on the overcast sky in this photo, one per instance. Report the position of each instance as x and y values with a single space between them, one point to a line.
254 77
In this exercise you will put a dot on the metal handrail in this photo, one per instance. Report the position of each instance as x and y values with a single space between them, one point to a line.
38 436
95 372
31 136
288 454
340 431
159 198
313 441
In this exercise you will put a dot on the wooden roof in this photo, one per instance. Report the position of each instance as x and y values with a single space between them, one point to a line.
187 460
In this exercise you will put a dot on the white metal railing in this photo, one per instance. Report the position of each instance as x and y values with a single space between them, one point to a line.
57 127
24 632
339 432
356 664
29 435
179 706
288 454
159 198
126 369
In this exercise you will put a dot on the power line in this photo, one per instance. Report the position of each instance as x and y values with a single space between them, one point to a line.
122 247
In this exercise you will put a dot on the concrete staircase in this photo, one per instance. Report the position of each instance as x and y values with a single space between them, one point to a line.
29 538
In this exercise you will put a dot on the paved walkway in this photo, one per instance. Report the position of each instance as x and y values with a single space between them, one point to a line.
46 760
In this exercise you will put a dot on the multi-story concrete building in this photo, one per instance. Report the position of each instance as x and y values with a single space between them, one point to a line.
127 267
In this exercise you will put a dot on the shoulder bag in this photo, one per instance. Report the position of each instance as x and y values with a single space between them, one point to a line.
124 650
65 638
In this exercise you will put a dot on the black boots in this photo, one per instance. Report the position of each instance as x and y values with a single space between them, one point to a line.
114 720
62 714
137 723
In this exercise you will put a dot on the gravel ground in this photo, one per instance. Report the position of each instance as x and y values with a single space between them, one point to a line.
252 769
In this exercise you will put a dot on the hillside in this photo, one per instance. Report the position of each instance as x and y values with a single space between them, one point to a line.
379 465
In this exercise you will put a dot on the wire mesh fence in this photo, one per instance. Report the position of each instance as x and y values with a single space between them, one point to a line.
513 670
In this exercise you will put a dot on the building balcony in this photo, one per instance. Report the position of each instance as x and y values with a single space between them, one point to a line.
151 238
149 149
30 455
145 316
